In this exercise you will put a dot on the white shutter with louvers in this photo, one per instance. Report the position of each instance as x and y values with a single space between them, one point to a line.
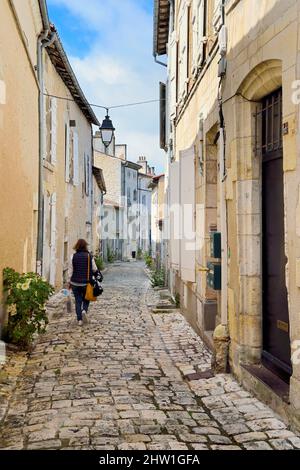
53 104
53 239
183 52
172 52
67 153
75 159
217 16
187 201
198 34
174 215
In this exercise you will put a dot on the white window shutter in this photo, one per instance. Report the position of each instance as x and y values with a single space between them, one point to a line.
53 239
188 222
198 34
183 52
172 51
75 160
88 170
174 215
53 105
217 16
67 153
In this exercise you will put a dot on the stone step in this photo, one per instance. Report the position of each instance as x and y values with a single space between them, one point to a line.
165 310
165 306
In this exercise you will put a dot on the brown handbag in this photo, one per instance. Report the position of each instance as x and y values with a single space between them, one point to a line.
89 295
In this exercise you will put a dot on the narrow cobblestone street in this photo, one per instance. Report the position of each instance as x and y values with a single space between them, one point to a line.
119 383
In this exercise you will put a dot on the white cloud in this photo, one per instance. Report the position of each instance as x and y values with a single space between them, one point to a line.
119 68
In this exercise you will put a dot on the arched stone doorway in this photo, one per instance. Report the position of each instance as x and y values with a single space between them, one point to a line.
254 219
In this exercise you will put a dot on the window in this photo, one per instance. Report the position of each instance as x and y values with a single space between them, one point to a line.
128 197
71 156
67 153
162 115
87 181
51 129
198 34
183 51
75 159
135 195
172 81
144 200
217 18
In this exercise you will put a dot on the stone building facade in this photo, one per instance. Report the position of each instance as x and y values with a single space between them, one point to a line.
47 189
232 143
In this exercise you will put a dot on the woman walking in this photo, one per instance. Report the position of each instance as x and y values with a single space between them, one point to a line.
83 268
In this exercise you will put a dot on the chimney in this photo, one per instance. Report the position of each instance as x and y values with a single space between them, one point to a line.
143 163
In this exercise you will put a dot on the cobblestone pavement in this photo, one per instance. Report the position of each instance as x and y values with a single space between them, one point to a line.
119 383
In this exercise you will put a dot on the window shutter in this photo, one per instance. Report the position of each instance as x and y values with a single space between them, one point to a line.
75 160
162 112
87 174
53 239
187 203
217 17
183 52
172 51
174 215
53 105
198 34
67 153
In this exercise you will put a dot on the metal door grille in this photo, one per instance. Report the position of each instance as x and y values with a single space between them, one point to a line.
269 125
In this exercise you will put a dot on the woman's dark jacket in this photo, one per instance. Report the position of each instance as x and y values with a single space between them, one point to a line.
80 268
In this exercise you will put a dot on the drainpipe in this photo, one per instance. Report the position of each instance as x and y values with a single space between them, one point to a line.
92 189
223 203
159 62
223 212
221 333
43 42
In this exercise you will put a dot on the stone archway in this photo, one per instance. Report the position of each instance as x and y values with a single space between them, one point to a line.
265 78
246 305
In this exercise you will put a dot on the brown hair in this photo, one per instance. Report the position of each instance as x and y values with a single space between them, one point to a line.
81 245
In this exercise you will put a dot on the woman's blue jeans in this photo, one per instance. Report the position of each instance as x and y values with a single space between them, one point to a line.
80 302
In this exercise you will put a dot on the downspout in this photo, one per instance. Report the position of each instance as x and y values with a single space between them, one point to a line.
92 189
159 62
42 43
223 213
223 208
221 334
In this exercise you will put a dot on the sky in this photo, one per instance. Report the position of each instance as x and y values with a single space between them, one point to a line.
109 45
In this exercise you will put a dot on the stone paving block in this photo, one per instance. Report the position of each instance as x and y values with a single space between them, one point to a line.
259 445
224 447
45 445
281 444
120 383
250 436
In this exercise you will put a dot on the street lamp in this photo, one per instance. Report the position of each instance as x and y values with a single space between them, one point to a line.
107 131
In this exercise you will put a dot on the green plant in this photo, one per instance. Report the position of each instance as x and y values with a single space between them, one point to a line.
110 255
177 300
148 260
99 262
158 278
27 295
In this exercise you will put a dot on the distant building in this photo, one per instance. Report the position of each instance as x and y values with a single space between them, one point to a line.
145 176
126 220
158 240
